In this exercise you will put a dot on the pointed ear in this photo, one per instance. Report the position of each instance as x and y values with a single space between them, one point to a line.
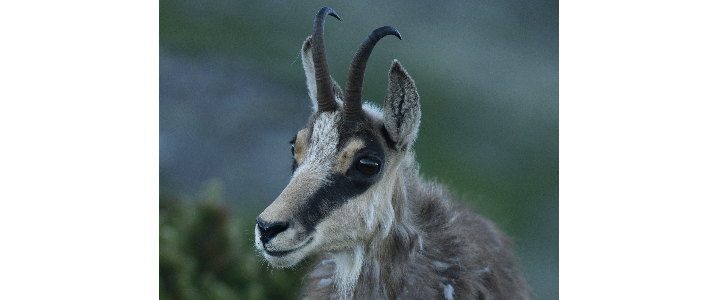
308 63
401 107
309 71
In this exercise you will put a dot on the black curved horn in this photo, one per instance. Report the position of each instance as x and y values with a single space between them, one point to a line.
355 79
325 94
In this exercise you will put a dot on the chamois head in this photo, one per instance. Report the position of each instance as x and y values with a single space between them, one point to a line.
346 161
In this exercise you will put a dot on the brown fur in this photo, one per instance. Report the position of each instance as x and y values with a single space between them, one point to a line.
391 236
434 242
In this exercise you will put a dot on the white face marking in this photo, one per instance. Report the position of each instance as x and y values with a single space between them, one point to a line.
322 147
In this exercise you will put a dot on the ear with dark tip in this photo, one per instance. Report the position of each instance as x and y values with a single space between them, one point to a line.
402 113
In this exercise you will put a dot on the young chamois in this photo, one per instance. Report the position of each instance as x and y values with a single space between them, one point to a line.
356 198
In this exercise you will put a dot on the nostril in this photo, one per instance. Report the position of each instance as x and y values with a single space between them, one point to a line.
267 230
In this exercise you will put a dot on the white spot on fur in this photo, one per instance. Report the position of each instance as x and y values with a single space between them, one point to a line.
324 282
372 110
483 271
441 266
448 291
453 218
348 264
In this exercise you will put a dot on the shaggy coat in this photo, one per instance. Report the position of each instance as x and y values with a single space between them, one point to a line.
437 249
356 200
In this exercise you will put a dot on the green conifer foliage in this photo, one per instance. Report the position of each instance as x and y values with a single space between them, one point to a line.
207 252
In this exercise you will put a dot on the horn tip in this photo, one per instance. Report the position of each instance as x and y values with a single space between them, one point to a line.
387 30
333 14
395 32
328 11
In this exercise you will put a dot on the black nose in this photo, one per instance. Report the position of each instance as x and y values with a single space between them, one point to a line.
269 230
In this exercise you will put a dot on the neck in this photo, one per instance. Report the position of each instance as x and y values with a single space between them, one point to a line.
376 270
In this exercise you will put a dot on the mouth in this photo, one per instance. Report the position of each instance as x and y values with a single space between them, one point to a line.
286 252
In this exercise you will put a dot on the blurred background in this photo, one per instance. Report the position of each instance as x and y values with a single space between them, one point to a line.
232 94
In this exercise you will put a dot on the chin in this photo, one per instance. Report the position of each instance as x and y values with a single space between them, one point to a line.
284 261
285 258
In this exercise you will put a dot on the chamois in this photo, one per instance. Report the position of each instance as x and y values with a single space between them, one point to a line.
356 198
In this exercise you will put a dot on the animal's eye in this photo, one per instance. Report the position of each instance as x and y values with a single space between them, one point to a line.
367 166
292 149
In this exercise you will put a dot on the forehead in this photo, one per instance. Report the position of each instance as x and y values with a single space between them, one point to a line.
326 130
